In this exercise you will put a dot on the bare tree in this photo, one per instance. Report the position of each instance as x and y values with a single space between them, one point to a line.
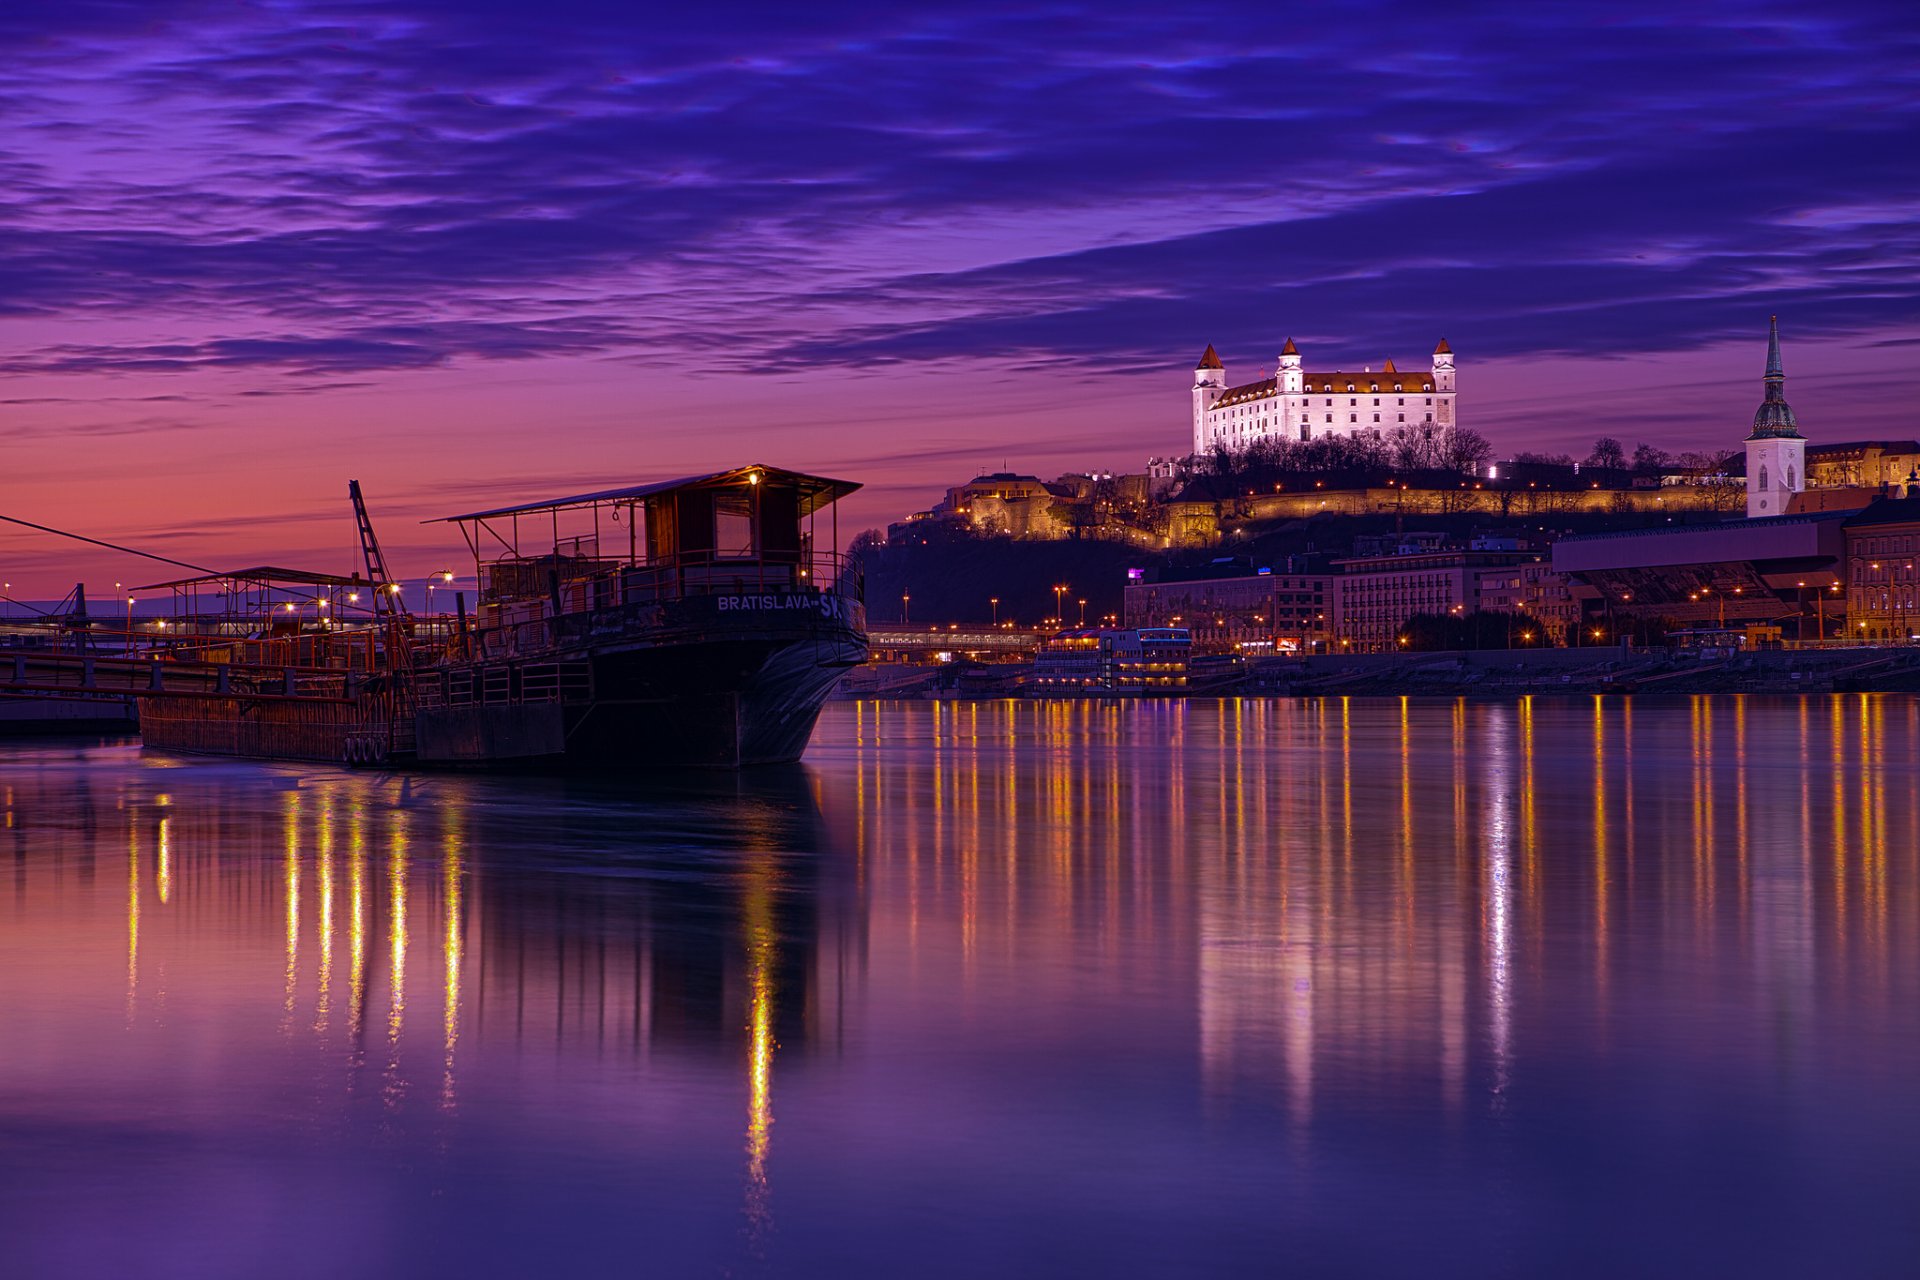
1648 459
1464 451
1608 453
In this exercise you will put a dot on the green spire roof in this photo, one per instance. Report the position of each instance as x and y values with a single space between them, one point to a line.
1774 418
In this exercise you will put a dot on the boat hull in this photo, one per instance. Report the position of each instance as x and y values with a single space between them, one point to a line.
703 686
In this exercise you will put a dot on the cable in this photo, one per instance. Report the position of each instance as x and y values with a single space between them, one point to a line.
111 546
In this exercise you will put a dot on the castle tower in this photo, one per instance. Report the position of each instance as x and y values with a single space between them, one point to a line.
1209 380
1288 371
1443 368
1776 451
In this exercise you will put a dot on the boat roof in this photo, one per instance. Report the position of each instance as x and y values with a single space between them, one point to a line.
815 492
263 575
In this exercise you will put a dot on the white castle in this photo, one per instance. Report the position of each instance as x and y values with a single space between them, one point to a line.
1297 405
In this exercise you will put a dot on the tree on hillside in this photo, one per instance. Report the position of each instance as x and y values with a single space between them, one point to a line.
1465 451
1608 454
1649 460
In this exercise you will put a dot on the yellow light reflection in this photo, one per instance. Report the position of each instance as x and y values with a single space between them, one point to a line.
396 956
323 1010
292 891
133 916
453 950
760 1046
356 926
163 878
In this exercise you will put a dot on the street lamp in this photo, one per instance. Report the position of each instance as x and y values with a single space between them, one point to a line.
995 602
441 578
905 600
1059 602
1083 613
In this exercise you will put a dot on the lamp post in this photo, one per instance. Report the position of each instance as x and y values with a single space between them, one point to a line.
995 602
442 578
905 600
1800 609
1083 613
1060 603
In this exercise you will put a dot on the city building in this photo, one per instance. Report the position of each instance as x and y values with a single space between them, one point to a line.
1375 595
1295 404
1883 588
1776 452
1234 608
1861 464
1532 589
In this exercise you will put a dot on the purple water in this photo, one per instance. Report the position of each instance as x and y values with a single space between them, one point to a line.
1572 988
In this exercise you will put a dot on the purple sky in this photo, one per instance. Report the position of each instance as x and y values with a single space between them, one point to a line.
465 251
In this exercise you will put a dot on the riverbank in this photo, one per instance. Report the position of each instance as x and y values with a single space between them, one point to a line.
1485 673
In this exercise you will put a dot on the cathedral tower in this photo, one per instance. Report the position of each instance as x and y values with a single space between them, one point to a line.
1776 451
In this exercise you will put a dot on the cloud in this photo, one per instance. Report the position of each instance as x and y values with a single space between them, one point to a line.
338 187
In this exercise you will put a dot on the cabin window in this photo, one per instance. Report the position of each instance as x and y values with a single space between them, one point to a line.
732 533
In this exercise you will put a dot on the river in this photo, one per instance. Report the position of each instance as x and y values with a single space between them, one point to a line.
1570 987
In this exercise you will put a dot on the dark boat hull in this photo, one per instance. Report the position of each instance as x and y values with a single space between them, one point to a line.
694 684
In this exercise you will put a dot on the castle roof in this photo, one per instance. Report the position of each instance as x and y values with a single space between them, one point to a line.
1388 366
1328 383
1289 349
1443 349
1774 419
1210 360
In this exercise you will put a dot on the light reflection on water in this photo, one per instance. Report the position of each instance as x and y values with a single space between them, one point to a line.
1577 986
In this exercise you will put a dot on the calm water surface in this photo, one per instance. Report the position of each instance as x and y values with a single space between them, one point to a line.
1307 988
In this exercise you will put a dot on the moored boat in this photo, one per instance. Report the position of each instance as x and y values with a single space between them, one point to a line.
695 622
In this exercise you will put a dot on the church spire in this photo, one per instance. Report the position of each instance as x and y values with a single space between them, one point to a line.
1774 417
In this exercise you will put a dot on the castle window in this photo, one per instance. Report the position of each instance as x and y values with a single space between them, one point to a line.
1329 417
1373 386
1426 386
1351 403
1349 386
1403 417
1353 417
1376 402
1376 417
1402 399
1429 399
1329 403
1763 476
1429 417
1396 386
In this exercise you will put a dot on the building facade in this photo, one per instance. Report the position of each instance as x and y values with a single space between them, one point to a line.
1295 404
1375 596
1883 584
1249 613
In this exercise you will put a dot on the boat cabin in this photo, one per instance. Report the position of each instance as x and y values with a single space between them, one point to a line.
751 529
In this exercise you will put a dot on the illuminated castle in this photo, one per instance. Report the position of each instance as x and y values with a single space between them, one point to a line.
1295 404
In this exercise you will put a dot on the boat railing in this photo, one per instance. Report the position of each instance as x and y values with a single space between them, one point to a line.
487 685
584 582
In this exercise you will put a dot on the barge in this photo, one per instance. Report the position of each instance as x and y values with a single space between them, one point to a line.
694 622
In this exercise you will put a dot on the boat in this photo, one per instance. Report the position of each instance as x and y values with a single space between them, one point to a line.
692 622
